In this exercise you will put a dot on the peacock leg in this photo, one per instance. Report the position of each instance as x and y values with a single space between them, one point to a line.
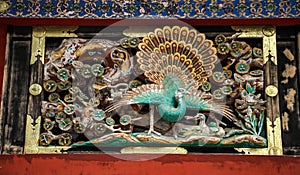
151 128
174 131
218 121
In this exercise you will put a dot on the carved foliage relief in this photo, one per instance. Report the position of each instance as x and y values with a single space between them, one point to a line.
175 86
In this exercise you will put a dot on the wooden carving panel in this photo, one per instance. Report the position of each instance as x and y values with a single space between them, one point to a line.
96 91
68 70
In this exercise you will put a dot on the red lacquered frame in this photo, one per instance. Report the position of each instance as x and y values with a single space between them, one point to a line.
167 164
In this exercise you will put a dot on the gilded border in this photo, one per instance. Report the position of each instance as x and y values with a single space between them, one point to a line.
39 35
273 123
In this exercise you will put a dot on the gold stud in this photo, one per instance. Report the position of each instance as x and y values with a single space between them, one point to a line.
3 6
271 90
35 89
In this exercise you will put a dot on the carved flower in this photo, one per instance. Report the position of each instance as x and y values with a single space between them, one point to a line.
90 1
214 8
158 8
242 7
228 8
172 8
186 8
270 7
250 99
19 6
145 8
200 1
297 6
48 7
104 8
117 8
131 8
76 8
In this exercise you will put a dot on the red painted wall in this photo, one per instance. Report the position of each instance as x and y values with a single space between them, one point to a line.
169 164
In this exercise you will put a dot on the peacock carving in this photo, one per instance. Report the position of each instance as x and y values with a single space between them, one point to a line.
177 61
140 90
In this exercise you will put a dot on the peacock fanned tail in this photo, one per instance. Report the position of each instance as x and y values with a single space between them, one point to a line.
197 100
144 94
172 58
179 51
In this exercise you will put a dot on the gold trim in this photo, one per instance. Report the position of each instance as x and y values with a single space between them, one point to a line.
274 141
38 44
268 35
138 31
35 89
3 6
61 31
269 53
271 90
39 35
268 31
154 150
32 134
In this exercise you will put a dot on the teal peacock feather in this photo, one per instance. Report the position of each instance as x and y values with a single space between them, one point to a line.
177 61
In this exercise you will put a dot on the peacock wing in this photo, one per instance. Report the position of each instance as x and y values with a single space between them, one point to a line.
144 94
196 100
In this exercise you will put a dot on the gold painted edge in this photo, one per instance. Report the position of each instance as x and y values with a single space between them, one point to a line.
32 134
268 35
274 142
37 46
138 31
61 31
154 150
39 35
35 89
3 6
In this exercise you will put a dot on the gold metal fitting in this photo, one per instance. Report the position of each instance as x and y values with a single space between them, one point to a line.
271 90
35 89
3 6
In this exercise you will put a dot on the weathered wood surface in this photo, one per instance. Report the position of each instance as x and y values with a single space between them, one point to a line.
15 93
288 78
34 102
4 44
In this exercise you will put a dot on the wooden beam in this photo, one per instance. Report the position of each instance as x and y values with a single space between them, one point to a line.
3 31
106 22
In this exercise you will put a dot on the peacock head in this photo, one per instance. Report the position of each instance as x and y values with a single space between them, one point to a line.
180 93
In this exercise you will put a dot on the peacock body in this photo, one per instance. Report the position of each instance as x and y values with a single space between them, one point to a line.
177 60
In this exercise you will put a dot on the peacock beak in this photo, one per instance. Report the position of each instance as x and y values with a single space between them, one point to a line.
186 92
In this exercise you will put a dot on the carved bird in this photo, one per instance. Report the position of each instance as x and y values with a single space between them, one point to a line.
177 60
